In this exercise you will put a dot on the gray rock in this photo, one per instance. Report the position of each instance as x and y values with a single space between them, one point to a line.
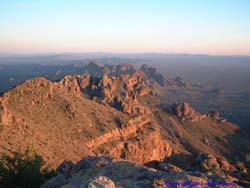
55 182
65 168
101 182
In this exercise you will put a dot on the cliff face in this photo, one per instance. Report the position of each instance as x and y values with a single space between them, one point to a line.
143 148
139 141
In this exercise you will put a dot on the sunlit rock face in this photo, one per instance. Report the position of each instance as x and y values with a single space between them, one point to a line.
122 92
185 112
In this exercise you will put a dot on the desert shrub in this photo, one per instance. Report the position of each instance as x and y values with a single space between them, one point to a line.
23 170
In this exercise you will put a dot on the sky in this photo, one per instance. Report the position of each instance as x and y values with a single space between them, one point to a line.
131 26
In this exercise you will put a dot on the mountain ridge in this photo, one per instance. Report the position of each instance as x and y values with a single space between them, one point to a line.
118 116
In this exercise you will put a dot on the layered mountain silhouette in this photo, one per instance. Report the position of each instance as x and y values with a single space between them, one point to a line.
116 111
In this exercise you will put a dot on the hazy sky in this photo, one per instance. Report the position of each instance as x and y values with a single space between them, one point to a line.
172 26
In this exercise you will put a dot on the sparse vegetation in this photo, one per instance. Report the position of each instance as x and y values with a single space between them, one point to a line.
23 170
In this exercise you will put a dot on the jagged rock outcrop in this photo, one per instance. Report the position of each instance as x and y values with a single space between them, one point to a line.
76 82
116 70
207 162
142 148
152 73
97 70
216 116
185 112
122 92
121 173
138 141
152 77
93 68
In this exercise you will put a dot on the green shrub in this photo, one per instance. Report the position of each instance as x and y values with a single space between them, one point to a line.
23 170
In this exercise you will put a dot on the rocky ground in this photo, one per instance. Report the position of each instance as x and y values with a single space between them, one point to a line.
104 172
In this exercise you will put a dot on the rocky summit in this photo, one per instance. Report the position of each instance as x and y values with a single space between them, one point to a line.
106 127
103 172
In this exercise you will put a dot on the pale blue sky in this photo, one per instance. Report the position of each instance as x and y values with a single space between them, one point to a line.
176 26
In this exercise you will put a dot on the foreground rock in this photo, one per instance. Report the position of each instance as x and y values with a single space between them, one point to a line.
97 172
101 182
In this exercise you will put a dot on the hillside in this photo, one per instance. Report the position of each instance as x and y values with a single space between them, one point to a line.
72 118
118 115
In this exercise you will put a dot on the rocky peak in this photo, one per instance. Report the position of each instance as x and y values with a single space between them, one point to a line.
152 73
76 83
124 92
93 64
93 68
185 112
115 70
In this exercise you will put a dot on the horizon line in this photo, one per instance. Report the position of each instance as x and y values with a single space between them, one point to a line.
117 53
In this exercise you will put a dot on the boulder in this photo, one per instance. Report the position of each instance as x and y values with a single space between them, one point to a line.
101 182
